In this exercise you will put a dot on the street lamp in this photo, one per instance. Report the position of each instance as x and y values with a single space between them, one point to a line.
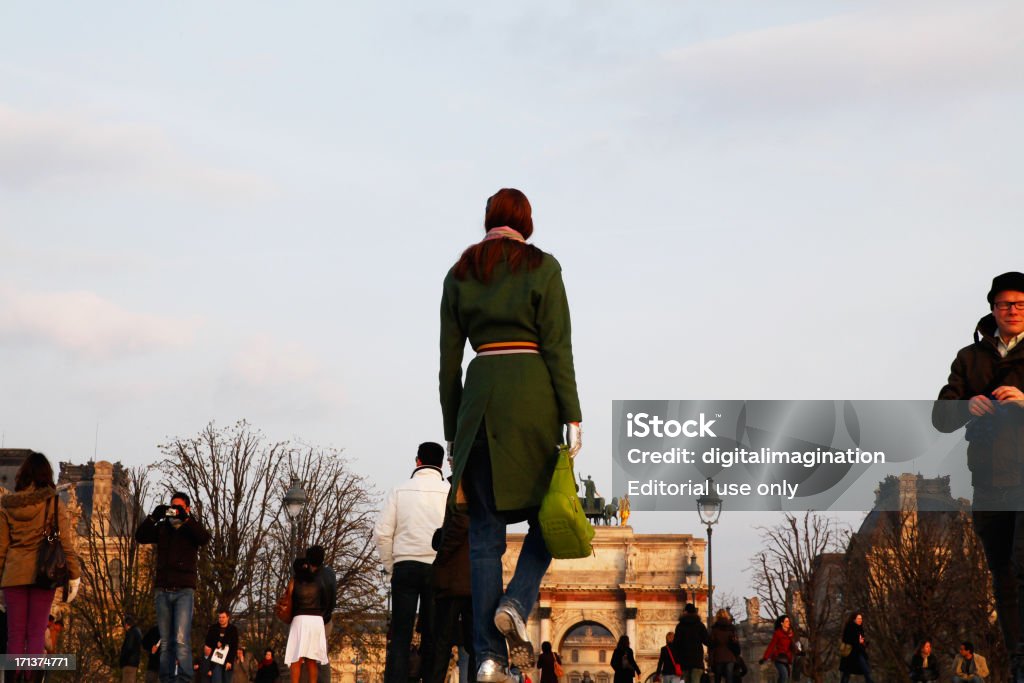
387 587
294 502
357 660
709 507
693 572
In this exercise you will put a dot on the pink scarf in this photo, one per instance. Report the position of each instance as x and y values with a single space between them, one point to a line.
503 232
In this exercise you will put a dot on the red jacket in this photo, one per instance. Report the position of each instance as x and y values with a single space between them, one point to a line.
781 646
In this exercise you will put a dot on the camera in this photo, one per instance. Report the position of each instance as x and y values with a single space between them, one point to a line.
169 513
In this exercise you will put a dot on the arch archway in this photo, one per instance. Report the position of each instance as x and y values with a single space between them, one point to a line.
587 648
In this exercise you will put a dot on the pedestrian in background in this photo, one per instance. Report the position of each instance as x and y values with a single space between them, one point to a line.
723 647
453 604
178 535
307 640
968 666
546 663
411 513
317 556
268 670
856 662
26 517
782 648
668 669
688 644
131 650
623 663
923 666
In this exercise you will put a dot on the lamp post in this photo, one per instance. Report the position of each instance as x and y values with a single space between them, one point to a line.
693 572
357 660
387 587
709 507
294 502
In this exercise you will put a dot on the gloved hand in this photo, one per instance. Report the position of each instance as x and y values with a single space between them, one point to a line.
182 513
73 585
574 438
158 512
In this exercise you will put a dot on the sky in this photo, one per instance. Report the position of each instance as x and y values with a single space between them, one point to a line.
211 212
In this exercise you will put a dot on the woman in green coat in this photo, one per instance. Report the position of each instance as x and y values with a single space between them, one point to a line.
503 425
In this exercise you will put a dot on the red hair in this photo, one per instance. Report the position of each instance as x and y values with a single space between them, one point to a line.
508 207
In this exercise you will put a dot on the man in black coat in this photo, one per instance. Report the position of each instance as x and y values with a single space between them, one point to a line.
178 536
688 644
984 391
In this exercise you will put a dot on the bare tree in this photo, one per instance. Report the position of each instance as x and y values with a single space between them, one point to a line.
116 575
231 475
339 514
918 575
796 573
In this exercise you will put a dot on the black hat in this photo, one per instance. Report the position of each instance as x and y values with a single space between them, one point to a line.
1007 281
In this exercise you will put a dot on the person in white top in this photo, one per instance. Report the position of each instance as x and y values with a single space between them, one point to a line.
411 513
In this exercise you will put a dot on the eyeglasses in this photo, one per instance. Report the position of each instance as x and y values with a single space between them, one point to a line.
1004 306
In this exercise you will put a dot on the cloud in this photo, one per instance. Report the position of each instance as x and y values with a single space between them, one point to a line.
266 378
84 323
263 362
920 52
42 150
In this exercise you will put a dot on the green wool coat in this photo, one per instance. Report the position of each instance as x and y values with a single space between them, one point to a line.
524 398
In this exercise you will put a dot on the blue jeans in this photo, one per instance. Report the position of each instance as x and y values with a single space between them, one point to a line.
862 663
782 670
221 675
174 619
486 546
723 672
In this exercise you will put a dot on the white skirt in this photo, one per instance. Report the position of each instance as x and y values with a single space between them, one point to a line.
306 639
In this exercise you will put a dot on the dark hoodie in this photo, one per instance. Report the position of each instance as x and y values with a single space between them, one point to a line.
689 641
994 455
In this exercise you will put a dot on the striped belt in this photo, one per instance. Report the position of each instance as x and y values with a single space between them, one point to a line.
505 348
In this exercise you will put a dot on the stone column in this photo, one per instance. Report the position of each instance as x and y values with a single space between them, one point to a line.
631 627
544 616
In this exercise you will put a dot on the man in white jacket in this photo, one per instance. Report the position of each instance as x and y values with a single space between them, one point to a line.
411 514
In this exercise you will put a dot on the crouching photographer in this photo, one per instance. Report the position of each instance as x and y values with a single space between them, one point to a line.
178 536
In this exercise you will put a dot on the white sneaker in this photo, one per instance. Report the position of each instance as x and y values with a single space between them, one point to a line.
512 626
491 671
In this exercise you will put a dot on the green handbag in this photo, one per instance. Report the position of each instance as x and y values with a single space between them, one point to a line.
566 530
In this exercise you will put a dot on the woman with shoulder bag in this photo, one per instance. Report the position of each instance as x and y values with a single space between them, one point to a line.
34 527
506 297
782 649
307 639
549 663
856 661
669 671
